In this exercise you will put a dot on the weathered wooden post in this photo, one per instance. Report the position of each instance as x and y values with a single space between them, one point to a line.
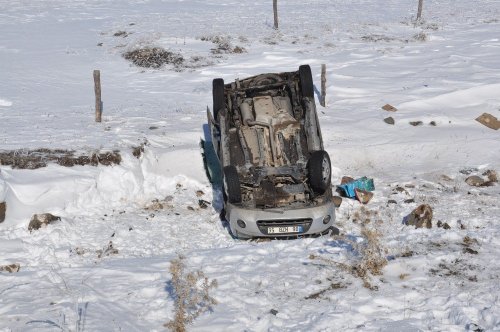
420 5
3 209
275 10
323 85
97 90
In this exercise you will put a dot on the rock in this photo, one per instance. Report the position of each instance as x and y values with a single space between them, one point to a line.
446 177
40 220
389 120
490 174
416 123
346 179
154 205
420 217
408 201
362 195
3 209
203 204
401 190
12 268
443 225
199 193
475 181
433 123
337 201
470 251
273 312
489 121
468 170
389 108
392 201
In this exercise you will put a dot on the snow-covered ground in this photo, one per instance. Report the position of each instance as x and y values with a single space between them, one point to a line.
446 70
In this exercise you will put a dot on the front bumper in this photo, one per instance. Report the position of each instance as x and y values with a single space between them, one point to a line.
257 221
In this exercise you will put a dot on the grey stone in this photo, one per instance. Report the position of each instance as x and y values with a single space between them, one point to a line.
475 181
40 220
389 120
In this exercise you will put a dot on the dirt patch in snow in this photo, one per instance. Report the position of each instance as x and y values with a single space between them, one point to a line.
33 159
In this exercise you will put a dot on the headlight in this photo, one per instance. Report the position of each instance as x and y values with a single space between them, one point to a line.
327 219
241 223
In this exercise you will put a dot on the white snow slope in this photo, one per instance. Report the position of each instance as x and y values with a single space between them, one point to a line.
445 69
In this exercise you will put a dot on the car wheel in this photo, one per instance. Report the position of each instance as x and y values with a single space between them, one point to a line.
232 184
218 97
320 171
306 81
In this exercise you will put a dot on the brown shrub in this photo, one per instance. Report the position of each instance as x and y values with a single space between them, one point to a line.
153 57
191 295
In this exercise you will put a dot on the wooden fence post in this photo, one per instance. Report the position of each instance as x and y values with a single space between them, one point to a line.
97 90
323 85
420 5
275 10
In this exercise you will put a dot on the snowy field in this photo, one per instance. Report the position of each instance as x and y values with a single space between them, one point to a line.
105 265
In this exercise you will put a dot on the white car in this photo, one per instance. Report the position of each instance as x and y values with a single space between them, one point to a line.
276 174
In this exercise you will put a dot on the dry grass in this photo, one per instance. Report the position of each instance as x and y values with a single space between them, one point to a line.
33 159
223 45
153 57
191 295
403 276
371 254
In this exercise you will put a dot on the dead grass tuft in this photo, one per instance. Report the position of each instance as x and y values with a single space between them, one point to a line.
33 159
421 36
191 295
223 45
153 57
370 259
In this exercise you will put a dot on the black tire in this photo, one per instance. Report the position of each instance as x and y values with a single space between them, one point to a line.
232 184
218 97
320 171
306 81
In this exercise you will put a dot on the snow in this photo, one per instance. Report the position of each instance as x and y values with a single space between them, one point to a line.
374 54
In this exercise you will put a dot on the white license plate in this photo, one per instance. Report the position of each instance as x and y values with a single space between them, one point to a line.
284 229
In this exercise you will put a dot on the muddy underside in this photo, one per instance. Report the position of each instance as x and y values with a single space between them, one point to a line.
33 159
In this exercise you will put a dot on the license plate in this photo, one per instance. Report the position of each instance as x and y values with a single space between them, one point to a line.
284 229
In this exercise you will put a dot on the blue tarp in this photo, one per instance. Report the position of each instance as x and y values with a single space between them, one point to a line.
363 183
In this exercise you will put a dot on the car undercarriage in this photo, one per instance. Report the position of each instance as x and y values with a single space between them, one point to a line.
266 133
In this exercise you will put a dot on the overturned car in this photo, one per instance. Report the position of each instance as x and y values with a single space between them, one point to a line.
276 174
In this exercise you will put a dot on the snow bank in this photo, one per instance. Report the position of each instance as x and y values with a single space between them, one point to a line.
86 190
